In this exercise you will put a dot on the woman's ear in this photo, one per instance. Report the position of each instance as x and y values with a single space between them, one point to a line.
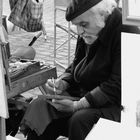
104 15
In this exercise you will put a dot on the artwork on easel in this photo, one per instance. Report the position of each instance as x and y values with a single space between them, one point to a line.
131 12
3 97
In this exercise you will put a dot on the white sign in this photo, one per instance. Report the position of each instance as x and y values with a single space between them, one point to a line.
130 79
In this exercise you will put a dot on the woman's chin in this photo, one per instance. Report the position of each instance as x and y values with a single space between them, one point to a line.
89 41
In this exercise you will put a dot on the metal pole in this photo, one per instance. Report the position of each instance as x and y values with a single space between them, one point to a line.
2 129
1 9
54 32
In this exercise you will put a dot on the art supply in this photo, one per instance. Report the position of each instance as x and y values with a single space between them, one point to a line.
54 88
27 52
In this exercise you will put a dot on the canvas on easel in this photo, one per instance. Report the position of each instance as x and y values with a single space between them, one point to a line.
3 99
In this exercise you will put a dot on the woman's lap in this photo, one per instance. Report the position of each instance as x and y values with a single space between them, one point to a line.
71 126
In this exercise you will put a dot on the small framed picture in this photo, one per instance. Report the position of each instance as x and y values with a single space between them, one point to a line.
131 12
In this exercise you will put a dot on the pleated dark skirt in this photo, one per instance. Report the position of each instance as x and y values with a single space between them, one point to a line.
39 114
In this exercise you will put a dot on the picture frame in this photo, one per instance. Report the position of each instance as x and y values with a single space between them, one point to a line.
130 81
131 12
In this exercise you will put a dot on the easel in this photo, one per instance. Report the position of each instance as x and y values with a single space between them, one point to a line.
18 86
3 105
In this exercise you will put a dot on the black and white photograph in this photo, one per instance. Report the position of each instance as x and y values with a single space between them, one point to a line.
69 69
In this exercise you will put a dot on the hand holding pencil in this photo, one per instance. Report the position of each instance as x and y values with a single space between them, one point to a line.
56 96
56 86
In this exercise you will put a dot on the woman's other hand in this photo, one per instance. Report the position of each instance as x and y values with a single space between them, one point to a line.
64 105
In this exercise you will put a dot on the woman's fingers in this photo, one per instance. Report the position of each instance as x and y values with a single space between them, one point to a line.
61 101
50 86
58 91
49 89
50 83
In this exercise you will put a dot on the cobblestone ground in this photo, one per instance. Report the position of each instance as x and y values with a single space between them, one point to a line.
44 48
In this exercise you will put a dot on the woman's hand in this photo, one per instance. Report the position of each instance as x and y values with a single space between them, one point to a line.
64 105
59 84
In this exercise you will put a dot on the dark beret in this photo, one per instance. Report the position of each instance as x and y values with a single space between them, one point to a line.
77 7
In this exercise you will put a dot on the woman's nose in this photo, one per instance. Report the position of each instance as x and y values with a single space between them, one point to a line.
80 30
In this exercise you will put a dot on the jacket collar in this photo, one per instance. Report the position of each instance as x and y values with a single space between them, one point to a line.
113 21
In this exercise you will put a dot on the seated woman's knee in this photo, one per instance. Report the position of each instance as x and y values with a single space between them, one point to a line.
39 100
85 116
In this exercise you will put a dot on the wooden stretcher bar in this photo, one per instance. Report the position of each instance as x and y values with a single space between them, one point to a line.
31 81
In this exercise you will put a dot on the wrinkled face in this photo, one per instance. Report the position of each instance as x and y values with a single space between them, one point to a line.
89 25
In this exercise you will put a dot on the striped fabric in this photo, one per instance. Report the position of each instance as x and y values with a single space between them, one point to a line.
26 14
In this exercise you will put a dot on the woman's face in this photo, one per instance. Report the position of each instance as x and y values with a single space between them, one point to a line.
89 25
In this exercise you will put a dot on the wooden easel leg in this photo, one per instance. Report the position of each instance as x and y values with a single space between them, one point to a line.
2 129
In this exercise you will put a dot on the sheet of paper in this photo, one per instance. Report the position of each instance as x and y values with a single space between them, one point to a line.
130 76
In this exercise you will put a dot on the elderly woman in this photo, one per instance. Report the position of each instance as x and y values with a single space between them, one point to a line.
94 77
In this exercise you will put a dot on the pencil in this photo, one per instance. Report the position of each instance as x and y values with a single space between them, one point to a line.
54 88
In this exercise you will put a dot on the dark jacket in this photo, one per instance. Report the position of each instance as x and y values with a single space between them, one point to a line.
98 75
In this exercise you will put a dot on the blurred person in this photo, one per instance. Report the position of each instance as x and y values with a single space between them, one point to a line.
94 76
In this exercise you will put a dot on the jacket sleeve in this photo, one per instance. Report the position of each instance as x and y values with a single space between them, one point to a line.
109 91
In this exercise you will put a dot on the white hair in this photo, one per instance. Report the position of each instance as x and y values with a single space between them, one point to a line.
105 7
102 10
